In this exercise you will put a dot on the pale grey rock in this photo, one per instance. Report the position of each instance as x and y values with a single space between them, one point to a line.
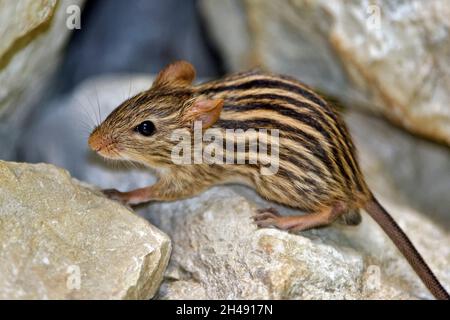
32 34
391 56
60 239
220 254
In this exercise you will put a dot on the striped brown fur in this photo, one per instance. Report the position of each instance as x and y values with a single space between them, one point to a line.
318 163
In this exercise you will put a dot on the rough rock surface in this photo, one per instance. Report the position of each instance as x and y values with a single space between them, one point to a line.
32 33
391 56
59 239
218 253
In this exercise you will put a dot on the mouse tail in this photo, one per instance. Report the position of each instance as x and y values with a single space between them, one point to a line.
401 240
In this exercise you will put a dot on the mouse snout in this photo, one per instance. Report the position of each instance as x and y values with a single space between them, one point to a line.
98 142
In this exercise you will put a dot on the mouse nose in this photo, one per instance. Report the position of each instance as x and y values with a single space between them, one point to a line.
97 142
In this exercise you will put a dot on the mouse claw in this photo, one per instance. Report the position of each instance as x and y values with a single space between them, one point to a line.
266 217
266 212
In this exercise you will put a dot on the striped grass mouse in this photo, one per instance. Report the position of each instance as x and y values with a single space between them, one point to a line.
318 171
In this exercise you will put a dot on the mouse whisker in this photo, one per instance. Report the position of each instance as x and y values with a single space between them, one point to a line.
98 106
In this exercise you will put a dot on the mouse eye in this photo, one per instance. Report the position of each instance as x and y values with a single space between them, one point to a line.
146 128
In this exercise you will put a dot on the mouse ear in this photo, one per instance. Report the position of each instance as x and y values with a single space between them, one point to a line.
180 73
205 110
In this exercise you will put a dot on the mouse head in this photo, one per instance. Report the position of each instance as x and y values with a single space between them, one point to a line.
140 129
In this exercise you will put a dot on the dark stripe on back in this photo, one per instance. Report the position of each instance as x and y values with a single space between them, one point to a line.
341 131
288 112
290 100
266 83
340 127
310 142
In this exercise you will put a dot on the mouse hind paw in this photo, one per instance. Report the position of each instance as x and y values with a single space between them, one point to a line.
270 218
351 218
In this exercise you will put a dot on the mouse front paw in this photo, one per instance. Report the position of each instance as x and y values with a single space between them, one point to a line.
116 195
267 217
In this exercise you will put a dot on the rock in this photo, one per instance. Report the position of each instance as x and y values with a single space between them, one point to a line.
210 261
391 57
32 33
219 254
60 239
